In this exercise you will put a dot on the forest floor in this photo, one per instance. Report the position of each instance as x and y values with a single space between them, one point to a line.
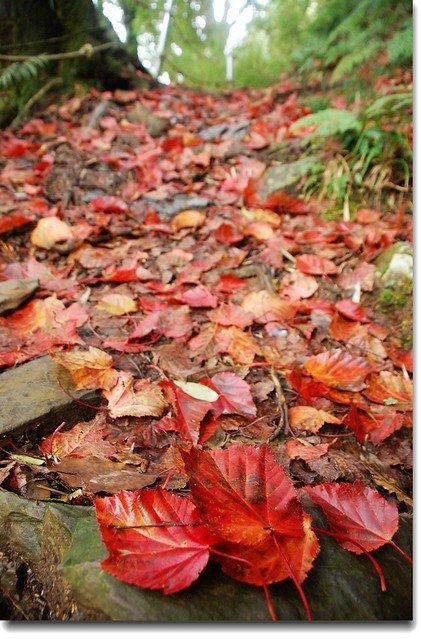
160 250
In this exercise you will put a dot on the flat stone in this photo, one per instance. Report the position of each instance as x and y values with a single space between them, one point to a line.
232 131
279 176
141 115
395 265
61 545
14 292
31 396
168 208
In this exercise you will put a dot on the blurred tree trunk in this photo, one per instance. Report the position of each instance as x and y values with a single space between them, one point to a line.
59 26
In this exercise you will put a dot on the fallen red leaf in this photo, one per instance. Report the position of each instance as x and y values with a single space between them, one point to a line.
154 539
314 265
268 307
375 424
352 311
358 512
109 204
392 389
84 439
257 495
88 369
234 395
338 369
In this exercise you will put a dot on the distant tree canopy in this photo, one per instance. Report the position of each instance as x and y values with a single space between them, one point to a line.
209 43
281 34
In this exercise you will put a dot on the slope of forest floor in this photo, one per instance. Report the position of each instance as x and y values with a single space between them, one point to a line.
162 243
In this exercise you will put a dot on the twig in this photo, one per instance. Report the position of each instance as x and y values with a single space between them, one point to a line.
37 96
283 420
86 51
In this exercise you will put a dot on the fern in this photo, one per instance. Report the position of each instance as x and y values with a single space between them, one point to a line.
389 105
350 61
329 122
19 72
400 46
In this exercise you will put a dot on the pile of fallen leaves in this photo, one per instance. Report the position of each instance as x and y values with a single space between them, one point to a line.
229 331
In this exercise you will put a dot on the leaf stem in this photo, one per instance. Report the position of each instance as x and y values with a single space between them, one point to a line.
294 579
79 401
401 552
269 603
376 565
162 524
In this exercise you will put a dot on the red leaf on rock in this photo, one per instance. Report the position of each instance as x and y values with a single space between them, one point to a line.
352 311
314 265
88 369
358 512
109 204
257 495
143 551
262 563
375 425
339 369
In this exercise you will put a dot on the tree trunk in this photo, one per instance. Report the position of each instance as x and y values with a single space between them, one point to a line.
61 26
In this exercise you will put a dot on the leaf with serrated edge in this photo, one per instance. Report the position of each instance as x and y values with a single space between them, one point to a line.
157 557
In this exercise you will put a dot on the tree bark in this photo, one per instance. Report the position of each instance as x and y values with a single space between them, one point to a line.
34 27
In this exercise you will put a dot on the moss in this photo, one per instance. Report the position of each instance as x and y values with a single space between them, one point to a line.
396 295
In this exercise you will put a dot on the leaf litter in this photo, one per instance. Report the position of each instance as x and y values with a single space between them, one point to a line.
220 328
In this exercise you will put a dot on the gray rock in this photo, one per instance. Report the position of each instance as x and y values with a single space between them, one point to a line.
395 264
14 292
31 396
168 208
141 115
61 545
232 131
279 176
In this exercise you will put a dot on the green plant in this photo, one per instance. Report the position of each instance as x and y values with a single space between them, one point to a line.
20 72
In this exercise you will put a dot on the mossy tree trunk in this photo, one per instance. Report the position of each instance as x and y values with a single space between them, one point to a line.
34 27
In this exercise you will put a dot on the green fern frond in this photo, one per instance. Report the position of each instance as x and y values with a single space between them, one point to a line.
354 59
400 46
329 122
19 72
389 105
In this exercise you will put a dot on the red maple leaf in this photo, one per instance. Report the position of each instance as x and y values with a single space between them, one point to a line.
154 539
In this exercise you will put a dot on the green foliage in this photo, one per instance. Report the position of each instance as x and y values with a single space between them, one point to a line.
348 62
329 122
19 72
400 46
